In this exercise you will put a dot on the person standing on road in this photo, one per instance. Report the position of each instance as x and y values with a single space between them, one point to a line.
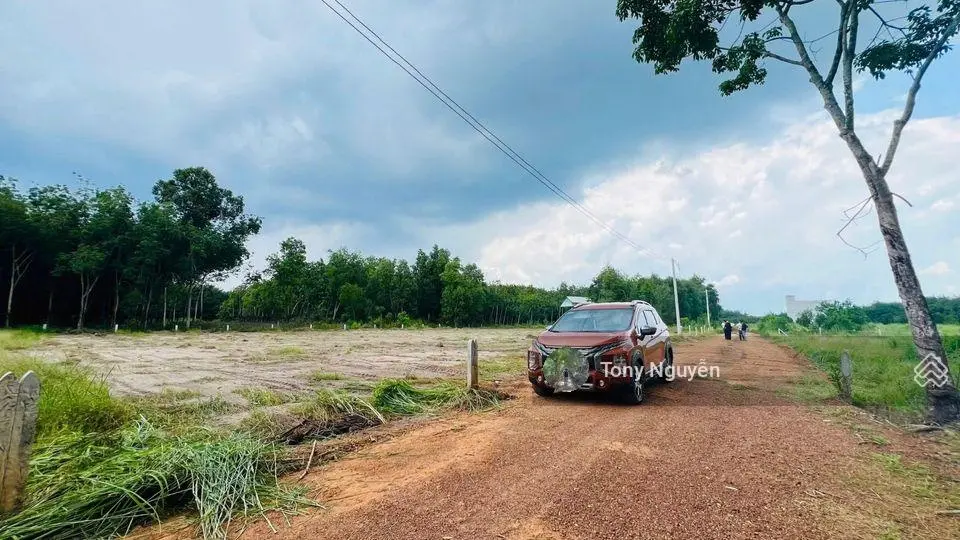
727 330
743 331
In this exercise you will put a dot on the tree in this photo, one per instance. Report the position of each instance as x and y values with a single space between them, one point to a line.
17 234
215 227
673 30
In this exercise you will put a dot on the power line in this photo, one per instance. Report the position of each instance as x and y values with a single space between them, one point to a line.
478 126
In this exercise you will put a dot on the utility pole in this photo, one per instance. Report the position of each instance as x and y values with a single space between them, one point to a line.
706 294
676 301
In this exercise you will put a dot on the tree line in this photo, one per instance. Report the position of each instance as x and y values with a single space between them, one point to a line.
96 256
435 288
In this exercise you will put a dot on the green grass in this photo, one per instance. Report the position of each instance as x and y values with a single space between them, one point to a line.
501 368
264 397
71 398
328 406
399 397
97 485
321 376
882 378
288 351
15 340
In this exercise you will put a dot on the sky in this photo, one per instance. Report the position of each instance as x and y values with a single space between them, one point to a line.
329 141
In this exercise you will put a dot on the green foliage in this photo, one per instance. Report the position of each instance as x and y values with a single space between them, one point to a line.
670 31
96 251
397 396
366 291
100 485
840 316
770 324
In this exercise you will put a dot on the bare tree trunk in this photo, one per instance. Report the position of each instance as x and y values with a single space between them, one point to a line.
164 307
146 312
116 297
189 304
13 272
50 303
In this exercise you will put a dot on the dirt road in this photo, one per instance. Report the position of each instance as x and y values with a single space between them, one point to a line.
699 459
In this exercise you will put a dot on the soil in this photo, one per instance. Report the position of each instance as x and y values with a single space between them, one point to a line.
211 364
698 459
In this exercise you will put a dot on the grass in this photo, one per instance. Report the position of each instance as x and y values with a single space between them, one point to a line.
399 397
71 398
264 397
882 378
503 367
97 485
15 340
288 351
328 406
321 376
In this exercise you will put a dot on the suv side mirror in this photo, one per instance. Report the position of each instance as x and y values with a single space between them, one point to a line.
647 331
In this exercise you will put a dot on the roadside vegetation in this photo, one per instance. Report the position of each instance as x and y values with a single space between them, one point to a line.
103 465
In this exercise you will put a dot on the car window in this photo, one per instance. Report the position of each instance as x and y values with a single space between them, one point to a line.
594 320
650 318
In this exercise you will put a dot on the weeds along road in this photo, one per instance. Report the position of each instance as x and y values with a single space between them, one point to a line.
698 459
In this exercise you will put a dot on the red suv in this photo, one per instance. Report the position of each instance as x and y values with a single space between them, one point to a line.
608 347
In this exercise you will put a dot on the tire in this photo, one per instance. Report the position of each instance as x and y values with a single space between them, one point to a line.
663 378
541 391
633 393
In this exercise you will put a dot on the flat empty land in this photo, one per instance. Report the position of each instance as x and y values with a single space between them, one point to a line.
211 364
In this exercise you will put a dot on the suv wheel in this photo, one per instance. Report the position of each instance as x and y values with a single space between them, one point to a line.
542 392
668 362
633 392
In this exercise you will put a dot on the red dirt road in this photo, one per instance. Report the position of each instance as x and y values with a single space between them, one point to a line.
700 459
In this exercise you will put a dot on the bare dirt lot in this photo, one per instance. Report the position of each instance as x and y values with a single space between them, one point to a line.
213 364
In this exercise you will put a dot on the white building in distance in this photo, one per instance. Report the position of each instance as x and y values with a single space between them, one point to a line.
796 307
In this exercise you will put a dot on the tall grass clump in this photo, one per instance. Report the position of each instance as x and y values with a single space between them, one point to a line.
397 396
71 398
96 485
19 339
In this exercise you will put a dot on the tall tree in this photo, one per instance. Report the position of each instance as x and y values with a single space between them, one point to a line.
215 227
670 31
17 236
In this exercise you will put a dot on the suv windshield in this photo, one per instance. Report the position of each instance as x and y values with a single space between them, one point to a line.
594 320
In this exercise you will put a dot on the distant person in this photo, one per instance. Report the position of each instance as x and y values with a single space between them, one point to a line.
727 330
743 331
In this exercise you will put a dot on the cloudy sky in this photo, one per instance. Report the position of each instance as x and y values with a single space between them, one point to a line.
329 141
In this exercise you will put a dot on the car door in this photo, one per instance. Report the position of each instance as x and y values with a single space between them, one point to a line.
656 347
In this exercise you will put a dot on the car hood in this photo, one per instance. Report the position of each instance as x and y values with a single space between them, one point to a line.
578 339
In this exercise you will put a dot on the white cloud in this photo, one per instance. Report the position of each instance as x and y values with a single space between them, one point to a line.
762 215
942 205
938 268
728 280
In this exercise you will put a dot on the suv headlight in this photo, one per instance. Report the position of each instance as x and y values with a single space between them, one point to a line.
533 360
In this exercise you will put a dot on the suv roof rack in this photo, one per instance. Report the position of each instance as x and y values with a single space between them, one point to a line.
640 302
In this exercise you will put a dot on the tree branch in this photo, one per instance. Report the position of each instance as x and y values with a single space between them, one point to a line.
901 122
860 207
849 53
775 56
841 39
826 92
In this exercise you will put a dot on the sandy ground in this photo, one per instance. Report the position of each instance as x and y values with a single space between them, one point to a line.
699 459
219 363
